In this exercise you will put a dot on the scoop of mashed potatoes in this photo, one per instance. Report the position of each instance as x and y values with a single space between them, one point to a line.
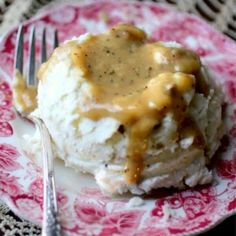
136 115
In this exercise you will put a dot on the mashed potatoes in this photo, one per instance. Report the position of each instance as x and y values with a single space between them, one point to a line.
138 116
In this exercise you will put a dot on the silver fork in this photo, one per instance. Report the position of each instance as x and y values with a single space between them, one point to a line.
50 226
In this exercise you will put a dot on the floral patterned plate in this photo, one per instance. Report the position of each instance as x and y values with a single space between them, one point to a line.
84 209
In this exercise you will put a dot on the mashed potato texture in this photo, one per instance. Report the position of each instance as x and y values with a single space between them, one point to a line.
174 156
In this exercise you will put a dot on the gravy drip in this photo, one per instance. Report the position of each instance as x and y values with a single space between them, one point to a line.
24 97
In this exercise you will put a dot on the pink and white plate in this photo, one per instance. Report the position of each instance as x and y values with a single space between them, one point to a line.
84 209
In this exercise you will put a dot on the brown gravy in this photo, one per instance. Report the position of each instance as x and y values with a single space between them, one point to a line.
24 97
142 81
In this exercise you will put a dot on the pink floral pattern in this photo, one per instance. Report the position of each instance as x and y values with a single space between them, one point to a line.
227 168
90 212
9 184
5 129
36 188
29 207
8 156
5 95
6 114
231 89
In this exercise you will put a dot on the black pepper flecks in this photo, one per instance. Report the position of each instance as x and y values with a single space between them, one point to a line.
121 129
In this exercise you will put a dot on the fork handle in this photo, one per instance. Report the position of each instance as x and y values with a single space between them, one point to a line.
51 225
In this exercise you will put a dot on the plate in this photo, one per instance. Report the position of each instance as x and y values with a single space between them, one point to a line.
84 209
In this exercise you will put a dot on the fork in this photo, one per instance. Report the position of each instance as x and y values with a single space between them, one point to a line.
50 226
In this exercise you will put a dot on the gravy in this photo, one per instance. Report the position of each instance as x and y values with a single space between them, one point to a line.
142 81
24 97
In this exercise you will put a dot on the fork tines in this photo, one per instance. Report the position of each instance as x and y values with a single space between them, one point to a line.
31 69
55 41
43 47
19 55
19 52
